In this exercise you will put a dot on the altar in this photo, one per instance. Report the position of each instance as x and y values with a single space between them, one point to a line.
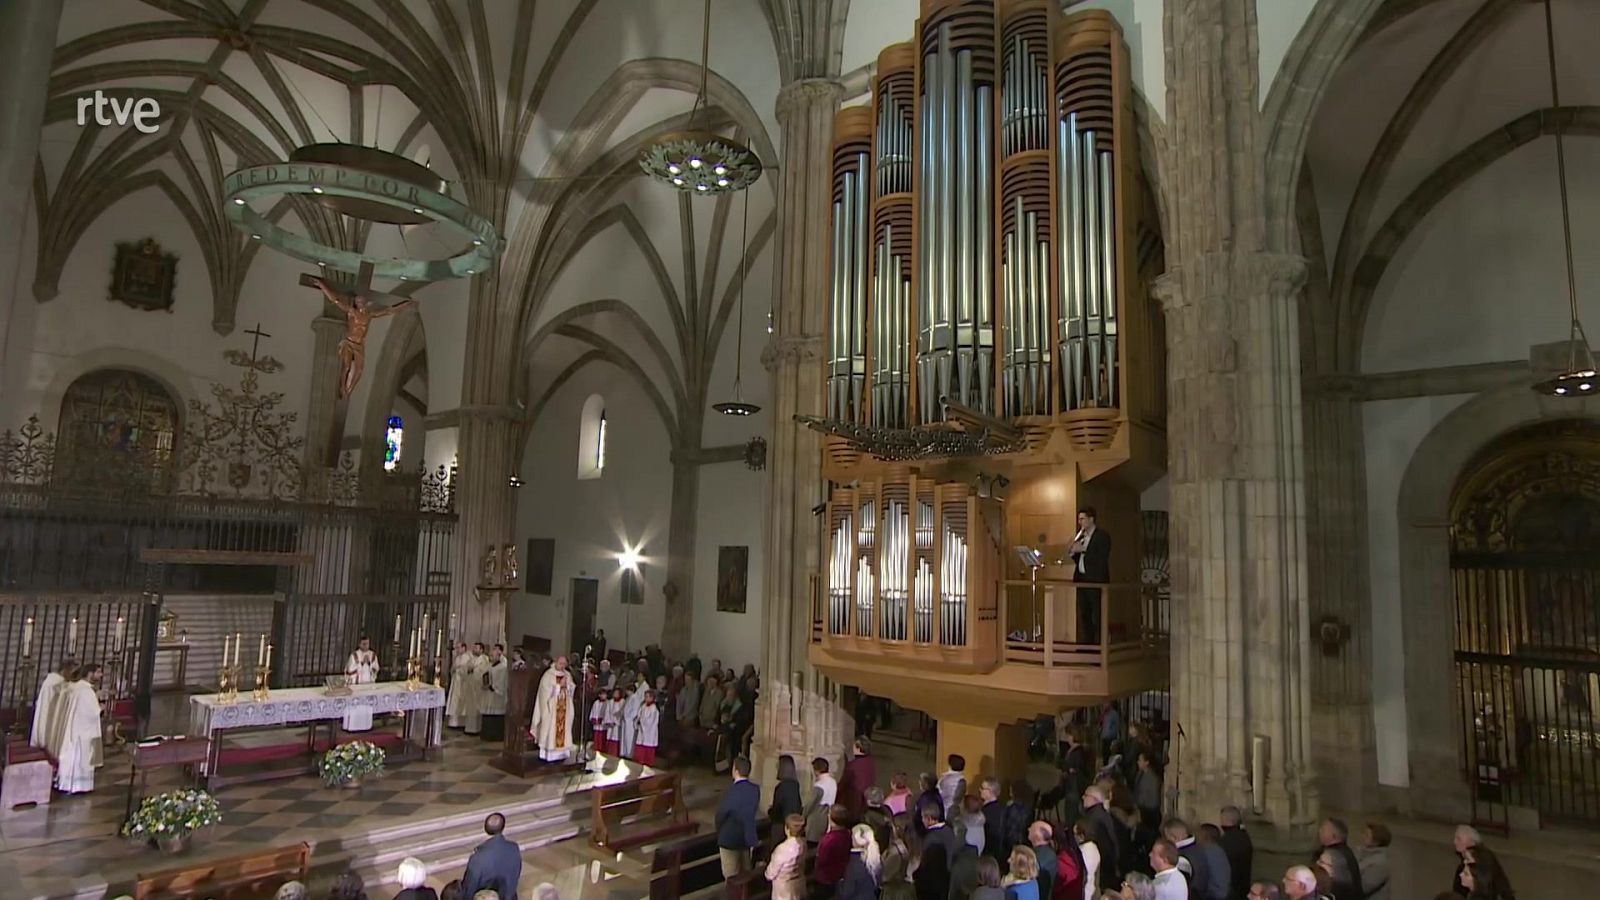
420 712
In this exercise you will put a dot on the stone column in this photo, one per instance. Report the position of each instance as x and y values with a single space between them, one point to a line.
1336 526
322 409
485 507
1240 649
798 711
27 50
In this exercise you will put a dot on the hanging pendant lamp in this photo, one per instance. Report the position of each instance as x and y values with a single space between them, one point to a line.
1578 378
695 160
737 406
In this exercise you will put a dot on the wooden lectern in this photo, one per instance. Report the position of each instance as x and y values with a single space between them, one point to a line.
518 757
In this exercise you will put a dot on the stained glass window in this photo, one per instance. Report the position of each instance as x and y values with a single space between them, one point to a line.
118 427
392 438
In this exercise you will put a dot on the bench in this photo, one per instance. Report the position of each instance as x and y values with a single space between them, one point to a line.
651 809
245 877
694 864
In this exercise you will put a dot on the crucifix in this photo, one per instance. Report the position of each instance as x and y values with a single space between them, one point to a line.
360 307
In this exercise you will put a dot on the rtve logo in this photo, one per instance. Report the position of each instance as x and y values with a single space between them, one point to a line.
143 113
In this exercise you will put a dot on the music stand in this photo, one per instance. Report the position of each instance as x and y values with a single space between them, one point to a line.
1034 560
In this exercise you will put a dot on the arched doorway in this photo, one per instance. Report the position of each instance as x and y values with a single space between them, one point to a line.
1525 565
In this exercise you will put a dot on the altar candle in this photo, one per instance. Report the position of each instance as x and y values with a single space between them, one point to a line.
268 663
72 636
119 635
224 650
27 637
238 644
416 642
438 642
261 651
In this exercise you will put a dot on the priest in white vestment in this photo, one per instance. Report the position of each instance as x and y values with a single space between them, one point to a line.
552 716
47 706
630 716
455 705
496 684
80 742
362 667
472 692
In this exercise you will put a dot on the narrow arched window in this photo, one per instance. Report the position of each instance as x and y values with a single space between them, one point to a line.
392 438
592 438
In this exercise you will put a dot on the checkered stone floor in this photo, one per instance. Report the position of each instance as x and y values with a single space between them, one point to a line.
72 846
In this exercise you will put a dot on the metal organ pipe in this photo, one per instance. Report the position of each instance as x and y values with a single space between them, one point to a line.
1106 376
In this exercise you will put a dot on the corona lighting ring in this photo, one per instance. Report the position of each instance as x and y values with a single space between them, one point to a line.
316 179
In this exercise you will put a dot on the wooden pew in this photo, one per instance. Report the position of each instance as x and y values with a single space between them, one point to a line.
249 876
653 807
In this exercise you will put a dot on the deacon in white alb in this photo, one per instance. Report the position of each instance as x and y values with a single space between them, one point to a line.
80 741
47 706
362 667
552 716
455 706
472 691
496 683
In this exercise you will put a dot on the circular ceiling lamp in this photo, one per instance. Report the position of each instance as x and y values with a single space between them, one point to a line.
1578 378
695 160
737 406
368 184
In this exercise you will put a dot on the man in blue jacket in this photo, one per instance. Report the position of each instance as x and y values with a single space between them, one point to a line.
736 821
496 864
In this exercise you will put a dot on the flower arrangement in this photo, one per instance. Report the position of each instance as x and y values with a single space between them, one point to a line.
347 762
175 814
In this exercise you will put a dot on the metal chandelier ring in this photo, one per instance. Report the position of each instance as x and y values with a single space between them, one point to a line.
278 179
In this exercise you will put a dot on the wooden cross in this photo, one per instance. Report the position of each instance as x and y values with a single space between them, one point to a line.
377 299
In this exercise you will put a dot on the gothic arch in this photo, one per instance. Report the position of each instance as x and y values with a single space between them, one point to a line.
1427 490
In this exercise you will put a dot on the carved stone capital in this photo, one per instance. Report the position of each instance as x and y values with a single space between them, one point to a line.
799 96
795 348
1215 275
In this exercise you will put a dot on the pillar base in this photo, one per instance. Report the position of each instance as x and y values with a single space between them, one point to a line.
1000 751
798 723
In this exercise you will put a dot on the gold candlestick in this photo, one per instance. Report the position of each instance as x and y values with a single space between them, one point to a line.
438 671
228 684
261 692
413 673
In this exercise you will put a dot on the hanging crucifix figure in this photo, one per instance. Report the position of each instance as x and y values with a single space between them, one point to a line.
360 307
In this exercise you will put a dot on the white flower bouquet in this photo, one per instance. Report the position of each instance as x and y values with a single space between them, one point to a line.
174 814
348 762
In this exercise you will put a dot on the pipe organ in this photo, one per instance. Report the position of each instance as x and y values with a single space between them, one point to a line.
904 556
986 288
993 179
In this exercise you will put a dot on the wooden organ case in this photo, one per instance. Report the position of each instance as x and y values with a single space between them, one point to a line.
994 361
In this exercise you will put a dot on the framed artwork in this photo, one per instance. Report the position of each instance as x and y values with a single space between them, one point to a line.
733 578
632 586
143 276
541 566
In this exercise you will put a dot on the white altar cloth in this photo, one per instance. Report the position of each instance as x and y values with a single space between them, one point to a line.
304 705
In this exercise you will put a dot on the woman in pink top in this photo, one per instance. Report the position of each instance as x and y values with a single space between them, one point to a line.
787 867
899 793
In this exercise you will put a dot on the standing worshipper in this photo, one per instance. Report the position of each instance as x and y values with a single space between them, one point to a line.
362 666
1345 871
495 686
736 821
80 740
930 794
1170 883
688 701
824 794
1374 860
1040 838
953 785
786 801
455 705
1101 828
864 868
598 642
495 864
786 868
649 737
46 707
552 725
1241 851
860 773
